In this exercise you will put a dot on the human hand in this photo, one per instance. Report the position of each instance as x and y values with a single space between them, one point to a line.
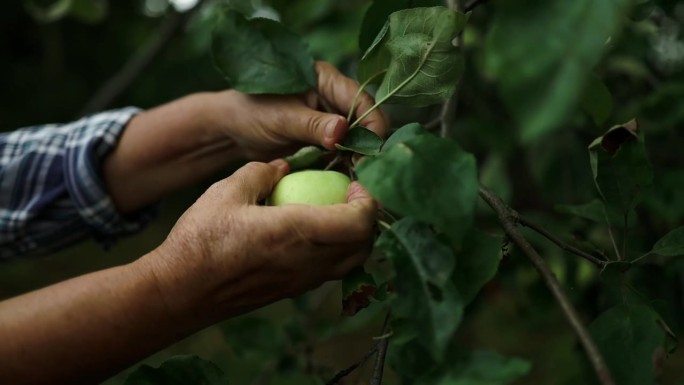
270 126
188 139
227 255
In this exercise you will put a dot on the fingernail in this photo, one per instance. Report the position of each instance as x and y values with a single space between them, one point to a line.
330 128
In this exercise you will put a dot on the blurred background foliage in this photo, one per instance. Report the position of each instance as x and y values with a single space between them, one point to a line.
57 54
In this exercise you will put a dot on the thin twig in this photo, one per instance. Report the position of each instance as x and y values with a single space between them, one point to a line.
384 224
136 65
336 160
473 5
379 368
612 239
507 220
448 114
525 222
345 372
434 123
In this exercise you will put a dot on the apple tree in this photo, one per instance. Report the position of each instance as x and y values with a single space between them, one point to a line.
562 93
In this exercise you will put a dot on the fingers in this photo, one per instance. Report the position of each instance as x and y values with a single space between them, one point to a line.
357 195
340 91
255 181
336 224
323 128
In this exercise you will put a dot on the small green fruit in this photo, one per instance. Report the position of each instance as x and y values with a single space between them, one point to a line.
311 187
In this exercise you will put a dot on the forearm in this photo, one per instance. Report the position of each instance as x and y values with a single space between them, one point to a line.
86 329
166 148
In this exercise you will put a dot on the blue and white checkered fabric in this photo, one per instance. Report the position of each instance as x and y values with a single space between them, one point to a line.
51 189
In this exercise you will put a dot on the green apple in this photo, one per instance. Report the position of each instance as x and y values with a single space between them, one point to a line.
311 187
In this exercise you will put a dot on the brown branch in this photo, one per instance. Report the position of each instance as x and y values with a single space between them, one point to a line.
136 65
379 347
525 222
378 369
508 222
345 372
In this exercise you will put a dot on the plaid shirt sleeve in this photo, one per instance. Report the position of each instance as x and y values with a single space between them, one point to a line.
51 189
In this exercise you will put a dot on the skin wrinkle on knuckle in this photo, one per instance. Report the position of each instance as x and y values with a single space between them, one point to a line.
313 121
327 85
365 104
311 99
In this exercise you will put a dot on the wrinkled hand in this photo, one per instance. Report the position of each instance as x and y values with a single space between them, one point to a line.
269 126
228 255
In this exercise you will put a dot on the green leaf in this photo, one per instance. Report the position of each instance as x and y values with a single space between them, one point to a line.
541 53
379 11
481 367
426 177
592 210
425 294
179 370
597 100
403 134
630 338
620 166
362 141
358 288
305 157
596 211
476 263
671 245
415 48
260 56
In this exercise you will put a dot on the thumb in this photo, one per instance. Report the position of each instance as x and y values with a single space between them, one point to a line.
358 196
324 128
255 180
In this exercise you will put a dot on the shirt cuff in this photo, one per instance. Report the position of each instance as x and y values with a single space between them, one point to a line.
92 138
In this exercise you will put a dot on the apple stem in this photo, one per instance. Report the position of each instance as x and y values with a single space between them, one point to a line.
334 162
350 166
359 92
